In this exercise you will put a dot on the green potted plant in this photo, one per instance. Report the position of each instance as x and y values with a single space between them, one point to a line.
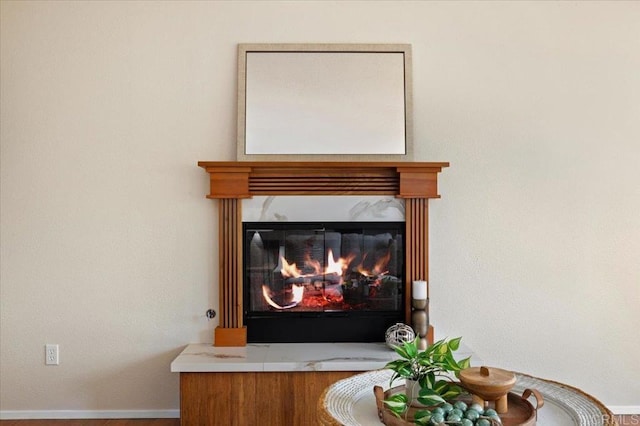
431 370
430 384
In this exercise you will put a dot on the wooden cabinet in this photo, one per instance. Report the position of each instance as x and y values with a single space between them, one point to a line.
253 398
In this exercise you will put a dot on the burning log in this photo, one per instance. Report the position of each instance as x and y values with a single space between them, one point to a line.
308 279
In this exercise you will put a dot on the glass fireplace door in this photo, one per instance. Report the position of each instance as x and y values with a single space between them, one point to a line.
322 281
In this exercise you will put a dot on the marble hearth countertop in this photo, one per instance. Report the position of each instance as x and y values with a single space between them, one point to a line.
203 357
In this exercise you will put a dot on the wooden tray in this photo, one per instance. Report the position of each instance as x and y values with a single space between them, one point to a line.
351 402
521 411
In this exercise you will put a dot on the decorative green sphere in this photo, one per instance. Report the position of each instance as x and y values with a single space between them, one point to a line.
436 419
490 412
477 407
446 407
472 415
460 405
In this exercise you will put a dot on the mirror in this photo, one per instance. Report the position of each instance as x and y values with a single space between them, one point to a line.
349 102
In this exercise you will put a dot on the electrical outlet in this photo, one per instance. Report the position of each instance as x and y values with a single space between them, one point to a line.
51 355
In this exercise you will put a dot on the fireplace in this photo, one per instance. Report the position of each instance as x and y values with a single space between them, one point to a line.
322 281
414 183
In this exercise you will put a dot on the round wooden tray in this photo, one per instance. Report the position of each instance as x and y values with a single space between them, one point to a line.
351 402
521 411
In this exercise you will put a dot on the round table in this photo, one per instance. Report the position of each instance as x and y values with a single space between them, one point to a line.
351 402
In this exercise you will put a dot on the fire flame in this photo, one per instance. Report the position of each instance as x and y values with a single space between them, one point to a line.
378 269
296 290
337 267
330 280
289 270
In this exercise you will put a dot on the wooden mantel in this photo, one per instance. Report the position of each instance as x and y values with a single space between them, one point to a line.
231 181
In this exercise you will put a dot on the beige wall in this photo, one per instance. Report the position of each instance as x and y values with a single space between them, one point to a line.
108 241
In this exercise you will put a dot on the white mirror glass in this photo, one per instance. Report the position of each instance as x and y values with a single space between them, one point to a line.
324 100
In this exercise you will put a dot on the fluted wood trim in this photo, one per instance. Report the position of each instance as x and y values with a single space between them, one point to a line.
310 184
230 265
417 249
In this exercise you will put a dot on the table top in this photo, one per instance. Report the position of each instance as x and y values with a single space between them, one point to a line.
351 402
205 358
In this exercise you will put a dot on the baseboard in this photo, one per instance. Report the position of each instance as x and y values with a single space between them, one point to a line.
89 414
624 409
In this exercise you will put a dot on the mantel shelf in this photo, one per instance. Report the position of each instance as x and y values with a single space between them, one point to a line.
240 179
322 164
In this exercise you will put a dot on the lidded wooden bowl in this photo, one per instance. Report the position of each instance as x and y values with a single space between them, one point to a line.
488 384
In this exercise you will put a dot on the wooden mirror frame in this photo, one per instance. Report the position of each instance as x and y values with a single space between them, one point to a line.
361 152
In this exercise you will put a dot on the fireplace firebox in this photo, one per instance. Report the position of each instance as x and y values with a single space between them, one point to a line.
322 282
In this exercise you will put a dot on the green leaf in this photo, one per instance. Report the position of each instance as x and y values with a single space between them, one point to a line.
401 368
441 386
397 364
429 397
450 391
421 414
433 348
448 361
405 371
398 397
411 348
394 377
392 364
454 344
424 381
465 363
424 358
431 400
397 403
400 350
397 407
450 395
431 379
422 417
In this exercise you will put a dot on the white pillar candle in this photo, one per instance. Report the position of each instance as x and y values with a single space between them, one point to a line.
419 290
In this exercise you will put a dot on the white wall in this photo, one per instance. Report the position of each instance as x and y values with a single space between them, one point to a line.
108 241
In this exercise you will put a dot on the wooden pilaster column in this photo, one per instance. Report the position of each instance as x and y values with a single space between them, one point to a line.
417 186
417 251
230 331
229 184
417 245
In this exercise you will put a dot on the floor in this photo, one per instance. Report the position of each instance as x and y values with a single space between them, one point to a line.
633 419
109 422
